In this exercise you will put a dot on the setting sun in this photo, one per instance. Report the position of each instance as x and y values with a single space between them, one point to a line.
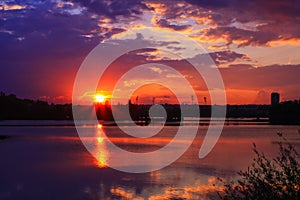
99 98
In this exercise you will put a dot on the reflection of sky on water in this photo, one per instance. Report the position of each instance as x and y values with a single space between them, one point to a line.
51 163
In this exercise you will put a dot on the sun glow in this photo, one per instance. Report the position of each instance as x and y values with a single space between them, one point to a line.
99 98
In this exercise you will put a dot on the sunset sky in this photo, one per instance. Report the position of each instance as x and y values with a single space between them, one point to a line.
255 44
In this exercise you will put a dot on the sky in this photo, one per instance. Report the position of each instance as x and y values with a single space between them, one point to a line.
254 44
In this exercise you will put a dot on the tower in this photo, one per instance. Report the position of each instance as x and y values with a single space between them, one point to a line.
153 100
275 98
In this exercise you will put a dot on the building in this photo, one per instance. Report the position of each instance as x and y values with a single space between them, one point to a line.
275 98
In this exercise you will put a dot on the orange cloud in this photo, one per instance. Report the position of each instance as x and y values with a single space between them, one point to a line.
282 42
125 194
13 7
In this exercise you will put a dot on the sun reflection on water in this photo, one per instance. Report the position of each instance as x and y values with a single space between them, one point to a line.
101 149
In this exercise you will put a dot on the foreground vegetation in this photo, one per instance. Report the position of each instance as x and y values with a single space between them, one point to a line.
266 178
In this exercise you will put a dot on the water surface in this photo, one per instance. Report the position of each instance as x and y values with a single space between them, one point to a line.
50 162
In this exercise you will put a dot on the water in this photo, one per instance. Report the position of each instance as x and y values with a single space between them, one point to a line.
50 162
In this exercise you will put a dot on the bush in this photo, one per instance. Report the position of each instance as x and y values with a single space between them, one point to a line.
277 178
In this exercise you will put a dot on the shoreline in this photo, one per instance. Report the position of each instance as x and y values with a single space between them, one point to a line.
187 122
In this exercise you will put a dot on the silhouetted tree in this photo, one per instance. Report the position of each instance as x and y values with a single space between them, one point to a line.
277 178
13 108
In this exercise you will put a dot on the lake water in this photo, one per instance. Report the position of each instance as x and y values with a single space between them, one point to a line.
50 162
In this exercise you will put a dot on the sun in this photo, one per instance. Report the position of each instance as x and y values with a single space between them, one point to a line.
99 98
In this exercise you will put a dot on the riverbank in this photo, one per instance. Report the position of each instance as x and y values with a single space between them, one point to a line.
186 122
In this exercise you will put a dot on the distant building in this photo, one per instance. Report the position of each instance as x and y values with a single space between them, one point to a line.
275 98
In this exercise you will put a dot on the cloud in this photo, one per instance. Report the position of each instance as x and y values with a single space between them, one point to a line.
43 46
262 97
45 42
6 7
163 23
114 9
259 24
224 58
156 69
271 21
259 9
241 37
242 81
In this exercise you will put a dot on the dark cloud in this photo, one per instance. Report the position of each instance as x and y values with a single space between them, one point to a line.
163 23
259 9
114 8
172 45
242 37
210 3
223 57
